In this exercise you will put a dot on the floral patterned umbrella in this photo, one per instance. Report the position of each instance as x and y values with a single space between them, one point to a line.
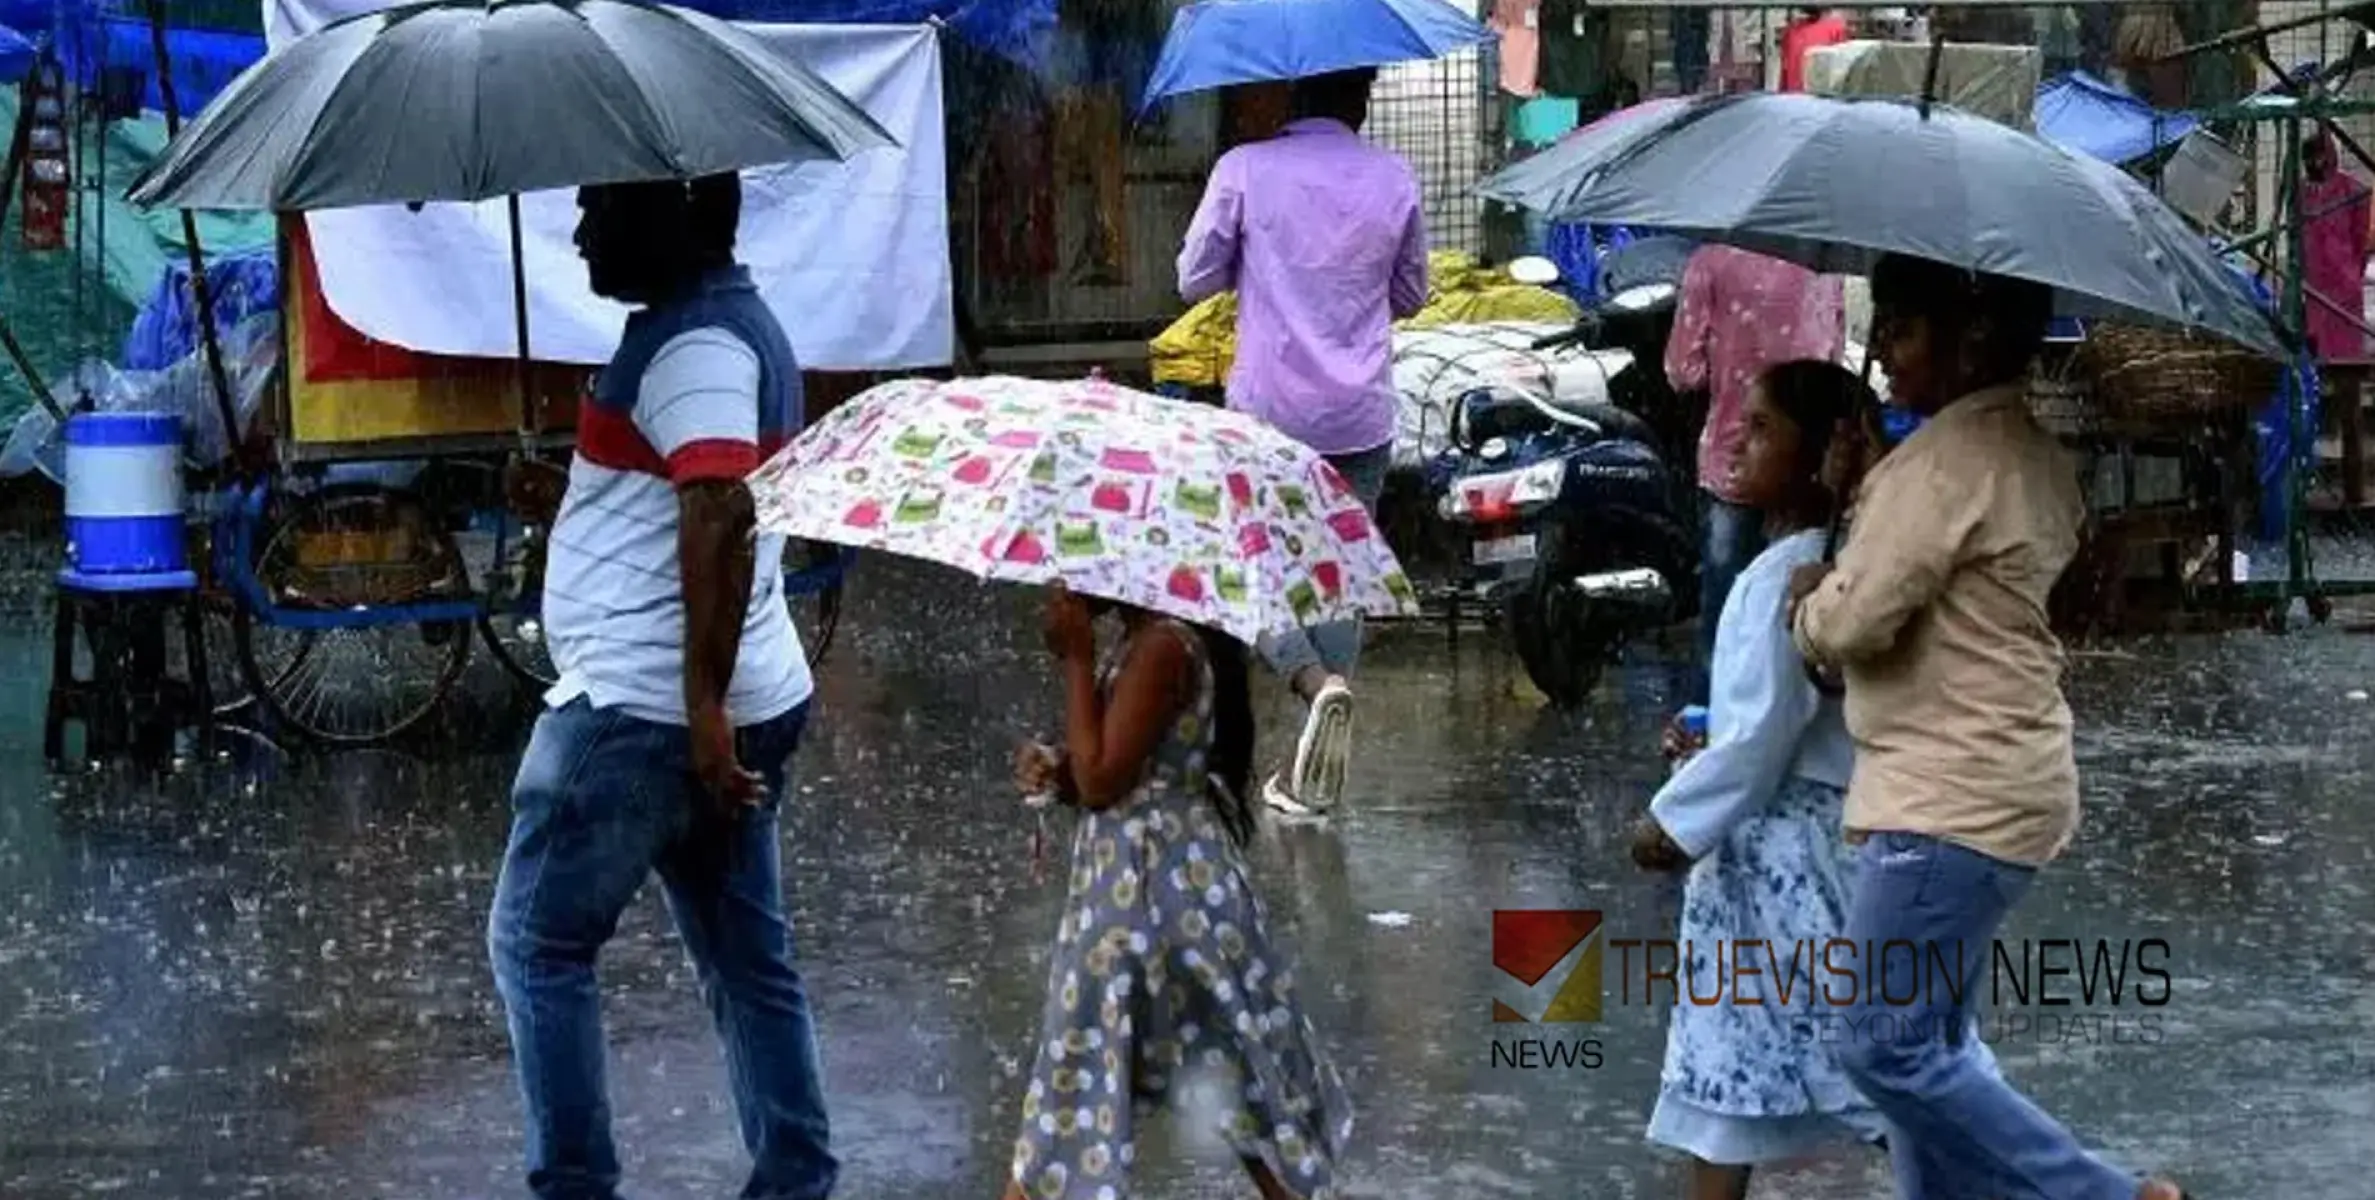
1206 515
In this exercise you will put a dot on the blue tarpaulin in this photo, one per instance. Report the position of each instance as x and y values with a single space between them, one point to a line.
166 330
205 61
1011 28
88 39
16 55
2298 391
2084 114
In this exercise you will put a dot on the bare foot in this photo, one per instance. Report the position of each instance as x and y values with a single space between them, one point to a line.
2160 1189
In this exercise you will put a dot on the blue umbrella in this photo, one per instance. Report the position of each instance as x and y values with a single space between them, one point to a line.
1217 43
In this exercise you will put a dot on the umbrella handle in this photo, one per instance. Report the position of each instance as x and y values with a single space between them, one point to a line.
1929 74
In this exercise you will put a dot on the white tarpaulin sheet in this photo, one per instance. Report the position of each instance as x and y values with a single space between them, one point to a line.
853 256
1436 366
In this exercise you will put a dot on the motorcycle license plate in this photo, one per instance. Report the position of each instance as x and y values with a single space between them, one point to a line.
1494 552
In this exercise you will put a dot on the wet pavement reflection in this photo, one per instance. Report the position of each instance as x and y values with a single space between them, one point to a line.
267 977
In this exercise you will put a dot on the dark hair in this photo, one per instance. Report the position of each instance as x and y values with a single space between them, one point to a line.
713 212
1230 761
1816 396
1343 95
686 226
2008 318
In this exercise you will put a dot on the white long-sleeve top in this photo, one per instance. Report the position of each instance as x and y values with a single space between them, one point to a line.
1766 722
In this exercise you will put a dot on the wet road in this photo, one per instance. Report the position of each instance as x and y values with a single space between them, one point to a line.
267 978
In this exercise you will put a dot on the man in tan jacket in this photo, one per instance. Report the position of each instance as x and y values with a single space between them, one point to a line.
1964 782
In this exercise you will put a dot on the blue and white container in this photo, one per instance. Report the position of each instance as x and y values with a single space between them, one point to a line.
124 494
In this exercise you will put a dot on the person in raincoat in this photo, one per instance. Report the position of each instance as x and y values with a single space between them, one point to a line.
1321 235
1966 782
2335 241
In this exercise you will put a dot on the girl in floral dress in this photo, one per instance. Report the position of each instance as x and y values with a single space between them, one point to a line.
1755 817
1164 979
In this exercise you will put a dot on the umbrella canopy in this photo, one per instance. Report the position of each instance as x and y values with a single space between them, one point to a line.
1217 43
1836 183
1186 509
472 99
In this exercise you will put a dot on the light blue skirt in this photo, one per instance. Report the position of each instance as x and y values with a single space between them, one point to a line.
1751 1084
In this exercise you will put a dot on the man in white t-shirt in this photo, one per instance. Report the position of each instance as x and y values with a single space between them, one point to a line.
683 690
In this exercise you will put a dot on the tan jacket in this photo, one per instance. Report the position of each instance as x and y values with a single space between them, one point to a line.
1935 615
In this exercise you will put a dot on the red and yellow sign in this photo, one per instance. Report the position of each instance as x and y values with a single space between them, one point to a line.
346 388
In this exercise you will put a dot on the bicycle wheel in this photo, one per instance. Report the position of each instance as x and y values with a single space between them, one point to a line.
812 575
226 676
509 566
352 548
517 642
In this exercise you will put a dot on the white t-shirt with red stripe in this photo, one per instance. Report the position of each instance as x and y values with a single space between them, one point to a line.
613 594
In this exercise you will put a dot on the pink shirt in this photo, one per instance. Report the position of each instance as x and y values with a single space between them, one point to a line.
1739 314
1321 235
1521 44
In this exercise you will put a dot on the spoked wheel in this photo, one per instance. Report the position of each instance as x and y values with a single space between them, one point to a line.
510 570
218 616
812 577
226 677
353 548
517 642
513 628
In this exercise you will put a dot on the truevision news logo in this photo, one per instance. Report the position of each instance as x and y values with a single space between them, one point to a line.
1547 970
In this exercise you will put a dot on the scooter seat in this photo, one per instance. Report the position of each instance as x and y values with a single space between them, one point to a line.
1613 421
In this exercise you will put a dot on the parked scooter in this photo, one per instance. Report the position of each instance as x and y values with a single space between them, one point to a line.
1580 522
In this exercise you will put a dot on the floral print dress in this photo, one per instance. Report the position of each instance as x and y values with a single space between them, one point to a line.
1164 980
1759 810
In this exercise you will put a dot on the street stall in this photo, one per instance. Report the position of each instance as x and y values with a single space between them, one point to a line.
436 346
2305 103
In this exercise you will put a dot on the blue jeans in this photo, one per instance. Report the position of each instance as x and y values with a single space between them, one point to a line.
1955 1129
601 801
1731 538
1335 646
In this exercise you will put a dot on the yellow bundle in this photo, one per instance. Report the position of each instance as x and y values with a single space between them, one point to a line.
1198 348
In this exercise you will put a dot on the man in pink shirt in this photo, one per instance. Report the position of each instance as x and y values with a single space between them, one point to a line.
1739 314
1321 235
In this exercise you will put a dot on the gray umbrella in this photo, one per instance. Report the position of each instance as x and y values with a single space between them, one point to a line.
466 100
473 99
1836 183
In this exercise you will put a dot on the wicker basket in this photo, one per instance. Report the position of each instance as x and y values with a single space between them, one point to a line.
2063 399
2143 374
